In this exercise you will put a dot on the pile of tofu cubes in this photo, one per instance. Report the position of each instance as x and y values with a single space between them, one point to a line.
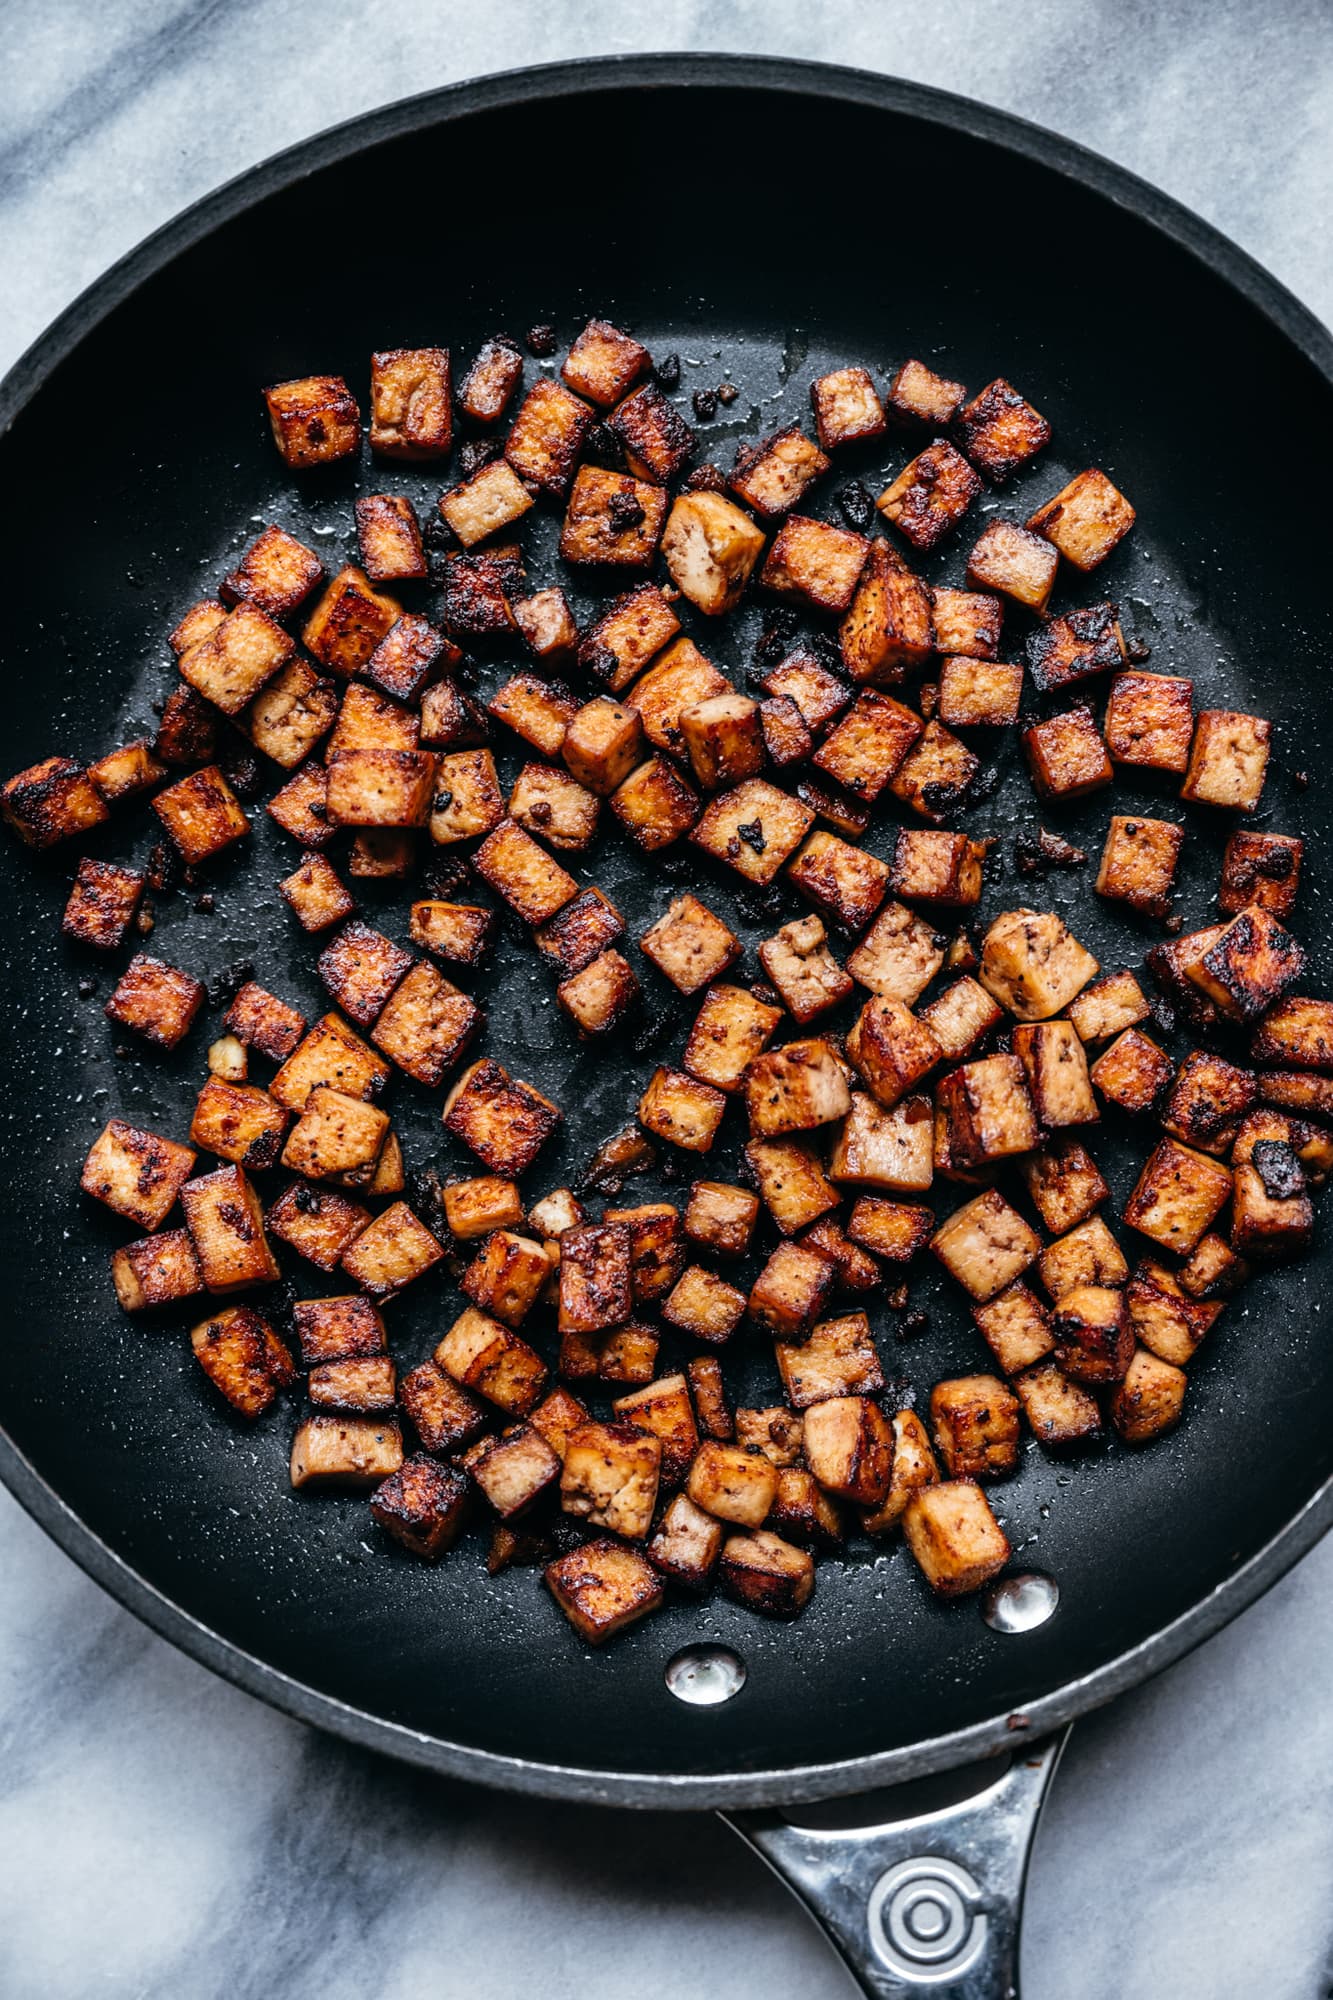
906 1089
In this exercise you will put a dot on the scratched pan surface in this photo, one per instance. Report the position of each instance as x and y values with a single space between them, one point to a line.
136 465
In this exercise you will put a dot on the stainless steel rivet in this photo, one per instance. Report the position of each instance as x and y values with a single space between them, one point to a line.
704 1676
1020 1603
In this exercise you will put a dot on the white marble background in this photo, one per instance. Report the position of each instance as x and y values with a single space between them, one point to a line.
163 1837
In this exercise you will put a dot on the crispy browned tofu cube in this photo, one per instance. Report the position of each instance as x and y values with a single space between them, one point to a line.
804 970
550 634
890 1049
422 1505
158 1270
1082 643
598 997
677 682
1085 520
975 693
917 395
817 693
1133 1072
934 867
514 1471
867 746
1016 1327
341 1329
368 720
341 1450
989 1111
1060 1413
663 1410
1178 1196
689 945
816 562
838 1359
655 805
596 1292
349 622
365 1383
656 438
187 732
629 1355
1150 722
999 431
1296 1034
1260 870
411 414
791 1291
1163 1315
1086 1255
975 1420
316 895
776 1432
426 1025
474 1208
804 1512
914 1468
196 624
1032 964
157 1001
1149 1400
960 1017
792 1183
755 829
226 1225
1014 562
847 407
1228 760
1213 1270
524 874
484 392
956 1540
315 421
724 738
124 773
890 1152
478 586
936 776
930 496
393 1251
1250 966
898 956
243 1358
301 807
766 1574
276 574
795 1089
445 1417
330 1054
628 635
732 1483
1207 1101
602 743
318 1223
547 801
493 498
406 656
239 1123
985 1245
1057 1073
604 363
451 720
557 1417
389 537
849 1448
657 1247
378 787
774 474
612 519
721 1218
1109 1006
202 815
459 932
889 626
535 710
967 625
503 1121
731 1029
1067 757
467 800
603 1587
361 968
686 1544
1138 864
680 1110
610 1477
493 1361
547 435
292 714
102 904
895 1230
1272 1215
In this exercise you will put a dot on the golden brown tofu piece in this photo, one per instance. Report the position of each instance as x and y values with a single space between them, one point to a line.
1133 1072
956 1540
196 624
459 932
243 1358
361 968
680 1110
1085 1255
663 1410
1213 1270
816 562
1085 520
680 680
847 407
391 1252
704 1306
1109 1006
603 1587
379 787
604 363
935 777
411 413
898 956
318 1223
598 997
610 1477
766 1574
730 1031
975 693
792 1182
1060 1413
445 1417
547 435
239 1123
1014 562
514 1471
1163 1315
1016 1327
857 1272
721 1218
330 1054
316 894
1067 757
803 969
124 773
817 693
1057 1073
960 1018
930 496
602 743
1272 1216
1297 1034
849 1448
1150 721
202 815
226 1225
629 634
422 1505
839 1358
340 1450
535 887
732 1483
869 744
483 1355
917 395
507 1276
290 716
655 805
1207 1101
774 474
612 519
890 1152
895 1230
975 1420
1138 864
724 738
889 626
755 829
389 537
426 1025
158 1270
914 1467
795 1089
364 1383
689 945
493 499
535 710
846 883
187 732
503 1121
467 799
368 720
989 1110
1260 870
890 1049
580 932
315 421
596 1292
776 1432
341 1329
656 438
548 629
1178 1196
276 574
1149 1400
102 904
686 1544
792 1290
1228 760
349 622
1000 431
1032 964
1249 967
474 1208
985 1245
301 807
967 624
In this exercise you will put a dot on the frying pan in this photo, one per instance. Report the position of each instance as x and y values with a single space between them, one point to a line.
765 220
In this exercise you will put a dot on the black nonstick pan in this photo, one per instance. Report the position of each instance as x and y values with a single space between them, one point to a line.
766 220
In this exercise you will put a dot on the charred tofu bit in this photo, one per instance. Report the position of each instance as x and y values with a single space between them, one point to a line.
411 413
547 435
766 1574
1149 1400
1085 520
1133 1072
612 519
956 1540
445 1417
390 539
1109 1006
979 693
1067 650
656 438
791 1291
975 1420
102 904
721 1218
504 1122
849 1448
730 1031
1016 1327
847 408
1228 760
422 1505
1057 1073
243 1358
477 588
795 1089
1014 562
1260 871
838 1359
580 932
804 971
1179 1195
985 1245
187 733
1250 966
890 1049
202 814
610 1477
1138 864
603 1587
336 1450
755 829
1000 431
889 1152
226 1225
815 562
792 1183
775 1432
684 1113
960 1018
867 747
930 496
239 1123
774 475
898 956
1032 964
157 1001
315 421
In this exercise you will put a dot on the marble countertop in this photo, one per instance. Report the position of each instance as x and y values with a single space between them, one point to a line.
167 1838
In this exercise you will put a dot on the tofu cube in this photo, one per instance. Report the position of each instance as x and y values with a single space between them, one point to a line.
124 773
368 720
458 932
547 435
467 800
755 829
422 1505
474 1208
960 1018
1260 870
361 968
330 1054
732 1483
803 969
1213 1270
656 438
917 395
791 1291
494 498
375 787
603 1587
847 408
1138 864
1228 760
598 998
773 475
816 562
547 801
989 1111
1179 1195
999 431
1271 1217
1109 1006
680 680
484 392
1207 1101
1057 1073
301 807
450 719
276 574
1016 1327
523 874
1150 722
887 1151
1164 1317
730 1031
721 1218
596 1292
898 956
889 626
849 1448
366 1384
657 1248
411 412
612 519
535 710
704 1374
1067 757
393 1251
317 1223
1085 520
845 882
604 363
226 1225
681 1111
292 714
1032 964
935 778
795 1089
1297 1034
724 738
1014 562
1059 1412
817 693
158 1270
655 805
196 624
580 932
102 904
663 1410
445 1417
316 895
1133 1072
979 693
766 1574
243 1358
1086 1255
686 1544
631 632
894 1230
187 731
930 495
953 1535
689 945
937 868
966 624
239 1123
157 1001
478 586
343 1329
975 1420
202 815
890 1049
493 1361
868 745
389 537
985 1245
914 1467
792 1183
1250 966
315 421
776 1432
610 1477
838 1359
602 744
504 1122
426 1025
1085 642
514 1471
349 622
548 629
1149 1400
335 1450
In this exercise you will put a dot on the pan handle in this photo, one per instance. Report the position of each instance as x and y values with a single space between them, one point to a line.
925 1905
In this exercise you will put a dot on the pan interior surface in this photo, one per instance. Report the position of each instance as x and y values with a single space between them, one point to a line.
143 466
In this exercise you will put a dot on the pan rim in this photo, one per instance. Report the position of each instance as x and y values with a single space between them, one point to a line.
507 90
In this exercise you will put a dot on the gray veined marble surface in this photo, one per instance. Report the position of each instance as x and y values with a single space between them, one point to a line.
163 1837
